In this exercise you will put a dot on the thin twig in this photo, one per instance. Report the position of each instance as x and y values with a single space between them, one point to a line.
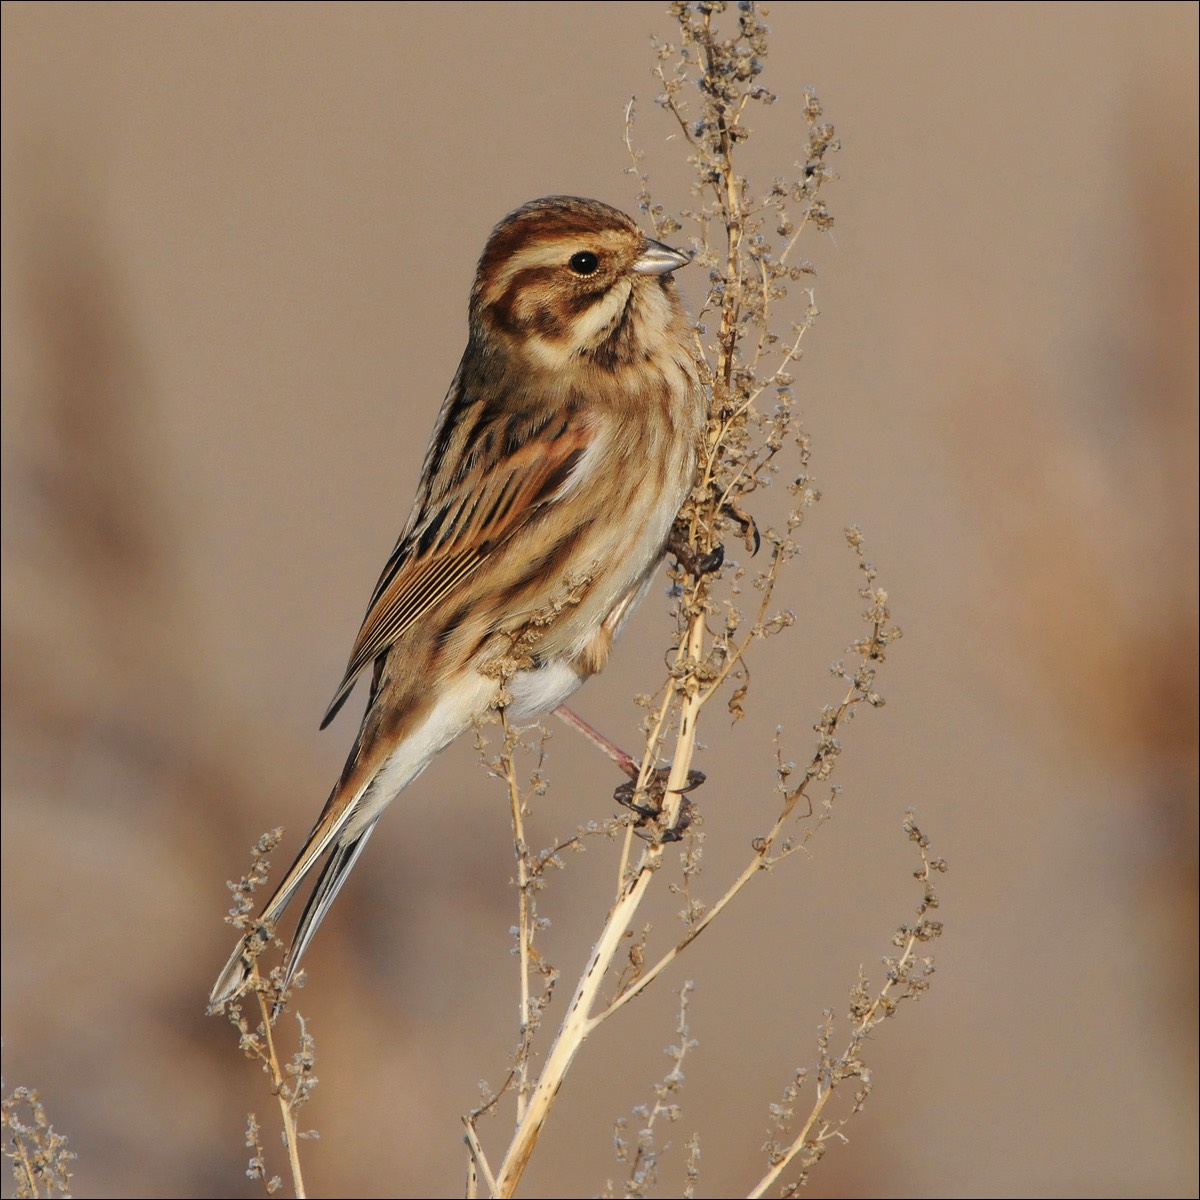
279 1087
521 850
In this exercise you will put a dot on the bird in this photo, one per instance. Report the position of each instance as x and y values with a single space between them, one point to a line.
563 451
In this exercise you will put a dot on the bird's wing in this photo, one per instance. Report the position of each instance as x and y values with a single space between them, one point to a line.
480 486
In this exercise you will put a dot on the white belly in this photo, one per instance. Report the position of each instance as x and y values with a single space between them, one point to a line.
542 689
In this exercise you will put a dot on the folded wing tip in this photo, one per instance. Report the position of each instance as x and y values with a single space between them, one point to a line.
335 706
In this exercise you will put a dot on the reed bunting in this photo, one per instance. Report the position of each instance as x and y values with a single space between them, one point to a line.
563 451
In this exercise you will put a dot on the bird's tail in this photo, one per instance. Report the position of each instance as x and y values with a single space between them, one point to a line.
396 742
342 831
335 871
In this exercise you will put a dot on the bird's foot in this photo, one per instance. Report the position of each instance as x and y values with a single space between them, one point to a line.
689 559
647 803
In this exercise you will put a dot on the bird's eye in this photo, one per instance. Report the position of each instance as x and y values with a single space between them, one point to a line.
584 263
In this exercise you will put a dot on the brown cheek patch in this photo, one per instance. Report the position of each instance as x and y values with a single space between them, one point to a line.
550 321
511 309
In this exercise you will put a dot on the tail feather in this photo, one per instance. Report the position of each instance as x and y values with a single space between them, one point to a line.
334 873
341 806
394 745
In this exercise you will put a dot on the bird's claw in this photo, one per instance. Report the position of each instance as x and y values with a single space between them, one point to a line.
693 562
647 803
746 524
706 564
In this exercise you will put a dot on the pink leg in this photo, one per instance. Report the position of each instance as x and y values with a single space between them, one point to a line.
598 740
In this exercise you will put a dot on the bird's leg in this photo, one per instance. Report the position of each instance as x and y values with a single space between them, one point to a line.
576 722
627 794
695 564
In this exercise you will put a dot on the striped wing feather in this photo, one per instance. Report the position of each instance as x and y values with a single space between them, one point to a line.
470 520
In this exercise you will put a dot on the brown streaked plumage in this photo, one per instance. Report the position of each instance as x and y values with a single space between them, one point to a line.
564 448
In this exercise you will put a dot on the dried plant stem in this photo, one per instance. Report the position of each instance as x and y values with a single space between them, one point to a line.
746 277
761 861
576 1026
825 1091
906 978
695 676
41 1162
524 930
579 1022
279 1087
478 1165
27 1185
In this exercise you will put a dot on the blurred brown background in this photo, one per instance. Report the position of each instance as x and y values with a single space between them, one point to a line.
237 246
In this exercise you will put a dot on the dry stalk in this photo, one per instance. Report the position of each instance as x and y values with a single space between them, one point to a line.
41 1162
907 977
259 1044
746 244
746 279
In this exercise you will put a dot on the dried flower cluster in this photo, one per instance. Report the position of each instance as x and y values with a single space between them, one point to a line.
41 1162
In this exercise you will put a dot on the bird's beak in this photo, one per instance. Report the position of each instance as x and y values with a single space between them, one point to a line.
658 259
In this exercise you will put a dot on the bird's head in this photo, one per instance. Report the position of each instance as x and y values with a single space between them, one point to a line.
563 279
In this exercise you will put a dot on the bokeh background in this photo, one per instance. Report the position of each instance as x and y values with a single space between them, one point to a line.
238 241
